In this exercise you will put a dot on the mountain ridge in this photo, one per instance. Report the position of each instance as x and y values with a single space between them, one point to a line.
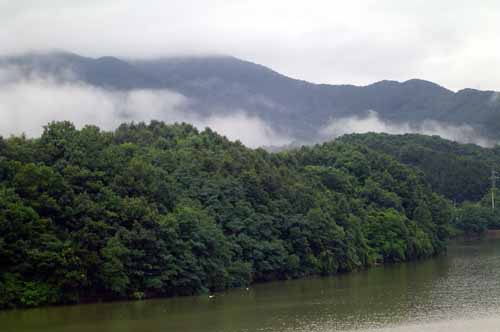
221 84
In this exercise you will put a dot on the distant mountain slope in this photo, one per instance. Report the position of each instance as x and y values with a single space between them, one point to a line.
221 84
105 72
461 172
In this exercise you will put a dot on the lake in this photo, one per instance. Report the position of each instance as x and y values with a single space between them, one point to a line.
457 292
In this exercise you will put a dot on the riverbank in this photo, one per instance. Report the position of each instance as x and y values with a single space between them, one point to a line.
457 292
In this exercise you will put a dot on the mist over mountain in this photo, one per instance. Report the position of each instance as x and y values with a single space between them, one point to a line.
240 99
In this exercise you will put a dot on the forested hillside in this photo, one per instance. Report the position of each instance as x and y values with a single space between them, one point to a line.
460 172
165 210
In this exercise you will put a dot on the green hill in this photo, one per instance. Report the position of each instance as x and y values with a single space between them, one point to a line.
460 172
164 210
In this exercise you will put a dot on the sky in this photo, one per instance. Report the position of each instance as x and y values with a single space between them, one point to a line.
451 42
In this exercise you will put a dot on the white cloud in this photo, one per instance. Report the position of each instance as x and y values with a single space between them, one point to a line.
26 105
250 130
373 123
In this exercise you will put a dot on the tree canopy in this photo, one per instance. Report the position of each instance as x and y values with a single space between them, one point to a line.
460 172
163 210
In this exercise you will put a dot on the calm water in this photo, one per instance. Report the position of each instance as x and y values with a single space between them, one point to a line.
459 292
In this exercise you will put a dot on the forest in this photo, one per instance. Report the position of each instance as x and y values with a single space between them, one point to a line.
157 210
460 172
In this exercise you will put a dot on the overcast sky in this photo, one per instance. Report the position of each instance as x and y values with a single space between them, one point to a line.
452 42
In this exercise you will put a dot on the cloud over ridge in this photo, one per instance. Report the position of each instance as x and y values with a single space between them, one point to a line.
27 104
371 122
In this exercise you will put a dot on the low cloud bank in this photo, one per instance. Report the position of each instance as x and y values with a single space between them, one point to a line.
27 104
373 123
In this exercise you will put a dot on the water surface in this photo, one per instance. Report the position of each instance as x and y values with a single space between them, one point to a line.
458 292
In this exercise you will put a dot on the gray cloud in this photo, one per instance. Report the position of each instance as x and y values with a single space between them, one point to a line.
451 42
373 123
26 105
495 97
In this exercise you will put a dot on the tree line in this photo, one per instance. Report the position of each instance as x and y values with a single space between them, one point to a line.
156 210
459 172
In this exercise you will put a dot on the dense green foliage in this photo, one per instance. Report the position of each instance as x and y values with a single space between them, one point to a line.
475 218
472 219
164 210
460 172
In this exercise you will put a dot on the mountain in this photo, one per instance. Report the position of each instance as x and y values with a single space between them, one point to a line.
223 84
107 72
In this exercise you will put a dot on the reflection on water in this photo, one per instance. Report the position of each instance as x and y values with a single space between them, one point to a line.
458 292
